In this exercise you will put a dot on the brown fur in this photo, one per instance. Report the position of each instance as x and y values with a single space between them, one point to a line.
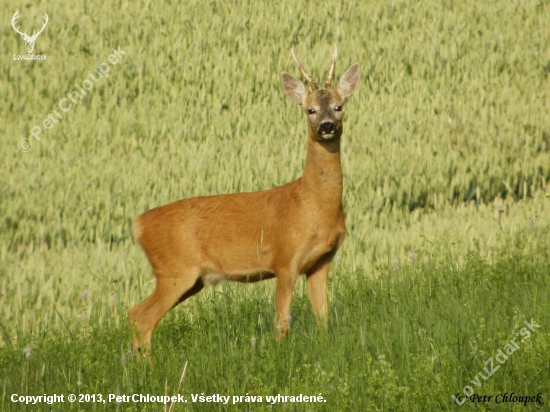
246 237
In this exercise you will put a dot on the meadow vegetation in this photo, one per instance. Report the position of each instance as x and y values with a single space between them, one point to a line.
446 159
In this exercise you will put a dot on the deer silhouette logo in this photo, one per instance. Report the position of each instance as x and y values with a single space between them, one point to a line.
29 40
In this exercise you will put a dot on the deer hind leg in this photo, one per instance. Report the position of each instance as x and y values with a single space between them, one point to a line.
144 317
283 299
317 291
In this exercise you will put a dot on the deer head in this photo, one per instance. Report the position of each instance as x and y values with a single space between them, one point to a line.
322 106
29 40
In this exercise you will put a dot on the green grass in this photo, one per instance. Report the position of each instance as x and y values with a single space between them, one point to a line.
393 344
450 123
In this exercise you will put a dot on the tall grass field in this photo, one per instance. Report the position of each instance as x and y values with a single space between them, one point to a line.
440 294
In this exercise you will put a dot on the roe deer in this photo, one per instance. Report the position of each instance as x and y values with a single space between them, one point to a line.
284 232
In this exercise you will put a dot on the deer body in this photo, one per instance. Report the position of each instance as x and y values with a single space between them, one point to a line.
243 237
284 232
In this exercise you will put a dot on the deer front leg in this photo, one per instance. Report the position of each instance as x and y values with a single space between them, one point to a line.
283 299
317 291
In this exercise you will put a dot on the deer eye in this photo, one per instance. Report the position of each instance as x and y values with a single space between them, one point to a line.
310 111
337 108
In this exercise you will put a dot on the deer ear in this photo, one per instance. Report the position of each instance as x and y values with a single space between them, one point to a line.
349 81
293 88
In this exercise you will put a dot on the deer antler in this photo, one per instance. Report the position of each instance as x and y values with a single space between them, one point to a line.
35 33
13 21
300 66
330 72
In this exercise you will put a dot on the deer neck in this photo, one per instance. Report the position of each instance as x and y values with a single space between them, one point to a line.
322 179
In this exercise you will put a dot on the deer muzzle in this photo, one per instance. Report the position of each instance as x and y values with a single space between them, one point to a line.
327 130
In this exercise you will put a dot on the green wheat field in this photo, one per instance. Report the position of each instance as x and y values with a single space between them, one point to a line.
442 287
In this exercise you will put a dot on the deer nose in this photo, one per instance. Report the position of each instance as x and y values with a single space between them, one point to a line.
328 127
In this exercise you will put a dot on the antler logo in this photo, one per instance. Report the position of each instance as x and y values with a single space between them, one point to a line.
29 40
